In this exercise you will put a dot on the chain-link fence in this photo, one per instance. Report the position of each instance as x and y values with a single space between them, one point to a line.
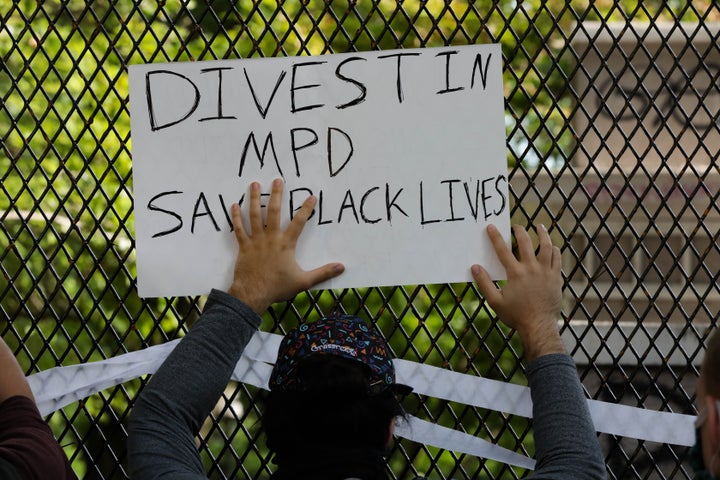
612 128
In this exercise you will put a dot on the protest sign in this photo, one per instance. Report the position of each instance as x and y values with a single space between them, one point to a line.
404 150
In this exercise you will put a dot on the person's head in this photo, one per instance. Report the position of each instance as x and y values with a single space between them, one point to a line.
708 400
333 385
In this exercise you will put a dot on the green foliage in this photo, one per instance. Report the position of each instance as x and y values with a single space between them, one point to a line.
66 231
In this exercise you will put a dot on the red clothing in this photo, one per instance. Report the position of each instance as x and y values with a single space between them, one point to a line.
27 442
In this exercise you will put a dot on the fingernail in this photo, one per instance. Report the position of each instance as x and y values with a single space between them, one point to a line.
277 182
311 200
255 186
543 227
475 269
339 267
491 228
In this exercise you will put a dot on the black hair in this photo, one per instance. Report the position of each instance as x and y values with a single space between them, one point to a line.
335 407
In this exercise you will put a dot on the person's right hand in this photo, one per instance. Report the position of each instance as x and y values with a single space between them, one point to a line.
266 270
531 300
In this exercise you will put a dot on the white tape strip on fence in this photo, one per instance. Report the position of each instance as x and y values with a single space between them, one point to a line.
58 387
621 420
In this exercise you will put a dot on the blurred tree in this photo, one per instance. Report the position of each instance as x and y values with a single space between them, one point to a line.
66 232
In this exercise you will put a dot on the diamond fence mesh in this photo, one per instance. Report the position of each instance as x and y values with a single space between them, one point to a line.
612 134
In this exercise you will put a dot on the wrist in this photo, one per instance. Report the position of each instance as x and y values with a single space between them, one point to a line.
545 339
547 346
256 303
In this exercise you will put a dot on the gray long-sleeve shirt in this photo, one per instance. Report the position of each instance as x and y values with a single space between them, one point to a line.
170 410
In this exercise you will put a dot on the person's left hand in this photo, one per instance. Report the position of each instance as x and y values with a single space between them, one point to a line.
531 300
266 270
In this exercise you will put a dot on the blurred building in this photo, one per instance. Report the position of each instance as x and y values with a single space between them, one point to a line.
637 205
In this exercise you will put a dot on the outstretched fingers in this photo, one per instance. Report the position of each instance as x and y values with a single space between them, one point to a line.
548 254
545 249
505 255
240 234
556 263
525 248
300 218
275 205
257 223
487 287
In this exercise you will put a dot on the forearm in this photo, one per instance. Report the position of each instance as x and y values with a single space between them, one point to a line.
12 378
566 443
169 412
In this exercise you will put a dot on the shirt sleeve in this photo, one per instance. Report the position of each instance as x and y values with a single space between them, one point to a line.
168 413
566 443
27 445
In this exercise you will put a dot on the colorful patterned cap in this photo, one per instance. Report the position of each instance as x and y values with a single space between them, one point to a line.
341 335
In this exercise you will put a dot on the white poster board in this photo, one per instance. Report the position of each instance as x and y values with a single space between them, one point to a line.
404 149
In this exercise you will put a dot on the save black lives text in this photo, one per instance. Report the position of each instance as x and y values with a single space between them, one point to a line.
475 200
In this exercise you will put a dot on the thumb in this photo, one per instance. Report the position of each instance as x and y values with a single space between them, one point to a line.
486 285
326 272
